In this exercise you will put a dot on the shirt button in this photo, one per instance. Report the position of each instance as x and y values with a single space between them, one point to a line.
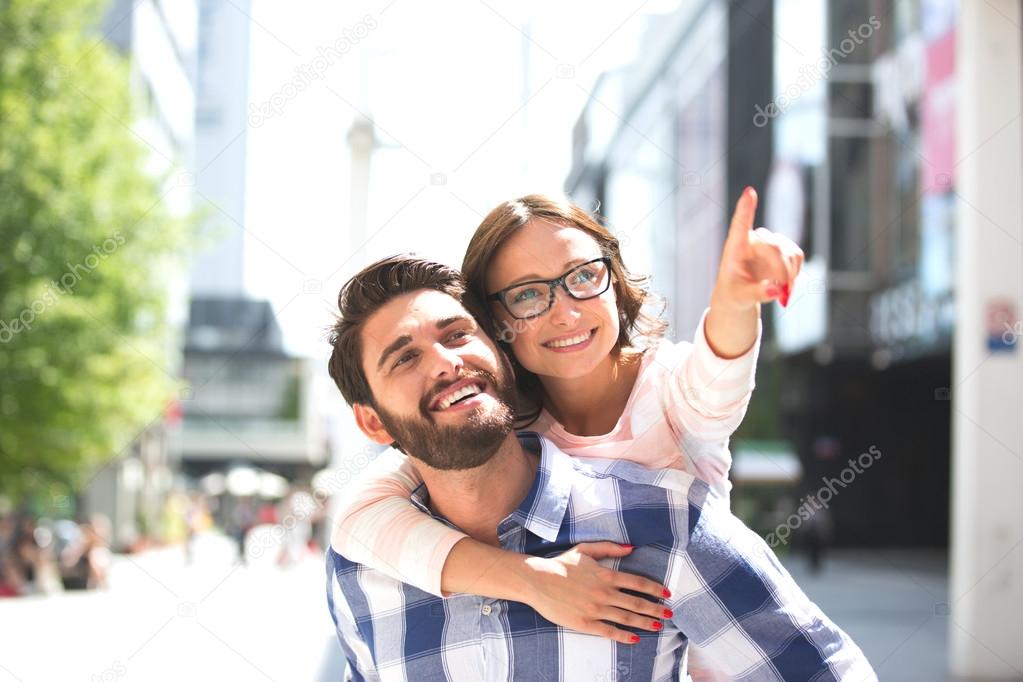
486 609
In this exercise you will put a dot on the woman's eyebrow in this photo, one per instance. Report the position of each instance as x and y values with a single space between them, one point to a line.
567 266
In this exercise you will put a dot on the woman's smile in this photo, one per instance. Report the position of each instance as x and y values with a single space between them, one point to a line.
571 343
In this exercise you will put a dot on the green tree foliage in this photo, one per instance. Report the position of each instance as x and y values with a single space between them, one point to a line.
87 246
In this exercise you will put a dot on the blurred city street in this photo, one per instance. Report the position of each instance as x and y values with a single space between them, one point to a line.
187 185
164 620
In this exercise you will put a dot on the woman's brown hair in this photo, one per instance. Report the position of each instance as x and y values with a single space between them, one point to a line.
631 292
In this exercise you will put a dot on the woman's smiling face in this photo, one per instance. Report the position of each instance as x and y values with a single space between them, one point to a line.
572 338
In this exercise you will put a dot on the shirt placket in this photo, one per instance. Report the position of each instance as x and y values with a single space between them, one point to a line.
496 639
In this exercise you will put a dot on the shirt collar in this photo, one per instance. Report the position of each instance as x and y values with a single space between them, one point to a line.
542 511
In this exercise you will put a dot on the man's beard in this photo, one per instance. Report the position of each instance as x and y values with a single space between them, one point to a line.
453 448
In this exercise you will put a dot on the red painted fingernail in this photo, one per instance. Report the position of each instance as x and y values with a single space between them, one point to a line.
634 639
667 593
668 613
657 625
628 546
785 295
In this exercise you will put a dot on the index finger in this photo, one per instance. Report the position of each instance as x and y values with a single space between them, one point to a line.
745 212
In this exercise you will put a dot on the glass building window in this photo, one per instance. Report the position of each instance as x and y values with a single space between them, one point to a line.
850 204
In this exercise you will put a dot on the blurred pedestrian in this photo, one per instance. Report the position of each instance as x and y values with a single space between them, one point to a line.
817 534
11 581
242 518
297 529
26 554
197 520
86 563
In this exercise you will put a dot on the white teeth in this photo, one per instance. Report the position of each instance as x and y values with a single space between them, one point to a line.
471 389
568 342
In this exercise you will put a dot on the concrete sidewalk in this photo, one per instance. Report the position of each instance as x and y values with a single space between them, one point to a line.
165 619
893 603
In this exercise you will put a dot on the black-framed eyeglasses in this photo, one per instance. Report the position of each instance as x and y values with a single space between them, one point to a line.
532 299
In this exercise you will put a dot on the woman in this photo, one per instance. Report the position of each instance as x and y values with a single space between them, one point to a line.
598 379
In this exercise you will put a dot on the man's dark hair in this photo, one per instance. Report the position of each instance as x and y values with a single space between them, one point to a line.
367 292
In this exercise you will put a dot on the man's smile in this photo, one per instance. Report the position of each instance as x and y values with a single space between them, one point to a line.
463 393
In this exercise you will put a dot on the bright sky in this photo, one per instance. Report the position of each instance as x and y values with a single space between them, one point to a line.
472 93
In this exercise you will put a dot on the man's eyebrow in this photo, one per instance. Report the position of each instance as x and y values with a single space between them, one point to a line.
402 340
406 339
448 321
568 266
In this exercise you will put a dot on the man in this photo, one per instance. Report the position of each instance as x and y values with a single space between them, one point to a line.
412 361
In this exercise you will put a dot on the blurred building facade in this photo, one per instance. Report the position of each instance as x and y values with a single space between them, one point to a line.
158 38
841 114
247 404
221 126
863 175
190 72
248 401
886 140
658 146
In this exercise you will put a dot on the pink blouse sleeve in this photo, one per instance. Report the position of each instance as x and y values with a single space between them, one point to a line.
377 525
705 399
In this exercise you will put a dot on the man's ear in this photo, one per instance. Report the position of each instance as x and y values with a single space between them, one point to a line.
369 423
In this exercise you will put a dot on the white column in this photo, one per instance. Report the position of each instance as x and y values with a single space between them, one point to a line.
986 588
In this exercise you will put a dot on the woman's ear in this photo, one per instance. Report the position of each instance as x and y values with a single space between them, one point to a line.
368 421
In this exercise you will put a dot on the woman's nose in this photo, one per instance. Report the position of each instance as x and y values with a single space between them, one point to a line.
564 310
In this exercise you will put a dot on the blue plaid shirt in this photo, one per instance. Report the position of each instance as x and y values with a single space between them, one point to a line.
729 593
